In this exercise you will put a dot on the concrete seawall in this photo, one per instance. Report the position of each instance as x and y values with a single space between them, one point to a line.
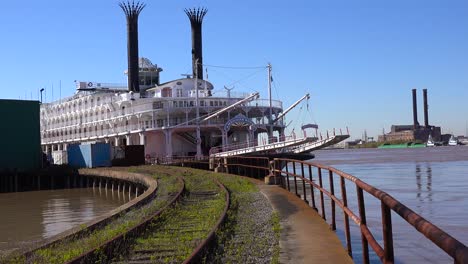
60 177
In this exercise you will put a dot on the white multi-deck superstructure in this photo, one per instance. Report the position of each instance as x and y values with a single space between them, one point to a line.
182 117
162 117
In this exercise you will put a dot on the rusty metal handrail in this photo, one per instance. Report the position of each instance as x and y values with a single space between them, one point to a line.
457 250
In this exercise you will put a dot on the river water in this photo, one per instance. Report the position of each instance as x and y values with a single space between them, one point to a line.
433 182
29 217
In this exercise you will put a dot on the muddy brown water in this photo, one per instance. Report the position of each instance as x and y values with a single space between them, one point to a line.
29 217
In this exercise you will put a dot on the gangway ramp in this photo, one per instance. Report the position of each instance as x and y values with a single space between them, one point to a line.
319 144
271 147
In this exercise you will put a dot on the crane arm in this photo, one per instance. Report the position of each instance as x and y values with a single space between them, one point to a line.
307 96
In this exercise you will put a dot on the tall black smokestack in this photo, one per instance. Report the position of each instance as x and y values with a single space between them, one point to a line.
415 111
426 114
132 11
196 19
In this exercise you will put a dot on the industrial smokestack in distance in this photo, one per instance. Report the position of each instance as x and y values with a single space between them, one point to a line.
415 111
132 10
426 111
196 19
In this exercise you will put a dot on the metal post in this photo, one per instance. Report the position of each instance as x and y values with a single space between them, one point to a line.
270 123
387 233
287 176
312 192
362 215
322 202
278 174
41 90
303 184
295 179
346 217
332 191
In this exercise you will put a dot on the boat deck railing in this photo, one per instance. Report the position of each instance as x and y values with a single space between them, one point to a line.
291 144
255 146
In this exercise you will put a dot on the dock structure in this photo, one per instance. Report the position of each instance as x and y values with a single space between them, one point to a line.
291 146
250 150
319 144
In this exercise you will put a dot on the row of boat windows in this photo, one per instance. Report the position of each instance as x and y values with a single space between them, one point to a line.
104 128
156 105
77 105
67 107
160 105
81 118
79 130
75 131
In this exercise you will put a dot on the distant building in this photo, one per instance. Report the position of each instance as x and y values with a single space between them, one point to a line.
20 133
408 133
350 144
414 132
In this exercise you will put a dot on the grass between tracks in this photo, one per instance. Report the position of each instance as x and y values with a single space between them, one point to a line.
181 229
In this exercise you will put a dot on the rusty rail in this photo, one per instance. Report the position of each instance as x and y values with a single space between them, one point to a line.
197 254
455 249
109 247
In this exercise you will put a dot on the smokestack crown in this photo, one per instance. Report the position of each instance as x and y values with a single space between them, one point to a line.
196 16
132 10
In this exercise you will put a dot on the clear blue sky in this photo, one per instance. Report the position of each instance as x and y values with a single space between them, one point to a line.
358 59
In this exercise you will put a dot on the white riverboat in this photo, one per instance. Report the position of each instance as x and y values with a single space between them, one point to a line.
180 117
163 117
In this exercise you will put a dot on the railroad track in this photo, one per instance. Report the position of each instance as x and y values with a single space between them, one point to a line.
105 252
182 233
101 244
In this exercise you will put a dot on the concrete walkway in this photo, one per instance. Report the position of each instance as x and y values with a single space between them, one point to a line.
305 237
